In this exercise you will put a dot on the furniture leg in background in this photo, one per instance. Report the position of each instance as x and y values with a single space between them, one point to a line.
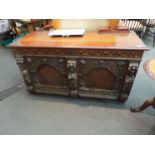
149 68
145 105
153 39
149 29
136 25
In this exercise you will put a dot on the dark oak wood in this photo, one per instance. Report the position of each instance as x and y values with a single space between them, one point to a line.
95 65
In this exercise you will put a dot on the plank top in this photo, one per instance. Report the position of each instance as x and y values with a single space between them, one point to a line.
108 40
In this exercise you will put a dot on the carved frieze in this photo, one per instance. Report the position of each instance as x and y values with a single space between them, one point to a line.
80 52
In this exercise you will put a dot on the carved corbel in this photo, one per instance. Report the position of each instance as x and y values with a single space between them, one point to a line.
24 71
130 76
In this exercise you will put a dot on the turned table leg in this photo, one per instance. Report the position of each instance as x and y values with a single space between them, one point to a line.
146 104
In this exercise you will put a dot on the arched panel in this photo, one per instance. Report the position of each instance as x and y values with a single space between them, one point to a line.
100 78
49 75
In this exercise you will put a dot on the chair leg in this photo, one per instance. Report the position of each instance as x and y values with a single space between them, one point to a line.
146 32
145 105
141 34
153 39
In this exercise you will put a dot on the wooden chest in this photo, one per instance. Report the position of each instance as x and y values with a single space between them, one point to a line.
95 65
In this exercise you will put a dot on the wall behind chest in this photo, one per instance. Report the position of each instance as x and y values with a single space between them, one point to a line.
88 24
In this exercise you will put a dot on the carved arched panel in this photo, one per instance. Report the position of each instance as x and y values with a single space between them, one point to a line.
100 78
48 75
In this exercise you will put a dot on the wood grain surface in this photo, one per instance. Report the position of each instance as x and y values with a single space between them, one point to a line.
93 40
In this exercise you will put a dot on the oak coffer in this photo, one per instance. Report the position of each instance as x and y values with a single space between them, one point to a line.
94 65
